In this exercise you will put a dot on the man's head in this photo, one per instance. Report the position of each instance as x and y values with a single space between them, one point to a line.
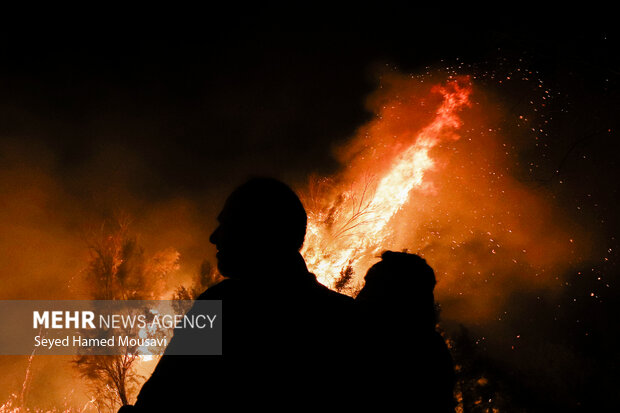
401 273
261 218
401 282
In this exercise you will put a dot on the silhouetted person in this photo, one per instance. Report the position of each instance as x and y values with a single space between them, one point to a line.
282 330
407 362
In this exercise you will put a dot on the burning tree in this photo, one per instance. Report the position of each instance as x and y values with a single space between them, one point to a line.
183 296
207 276
120 270
350 216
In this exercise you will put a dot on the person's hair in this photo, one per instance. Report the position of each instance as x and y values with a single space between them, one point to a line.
272 207
402 281
410 270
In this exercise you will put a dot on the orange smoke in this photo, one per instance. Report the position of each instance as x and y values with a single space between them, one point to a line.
433 172
429 175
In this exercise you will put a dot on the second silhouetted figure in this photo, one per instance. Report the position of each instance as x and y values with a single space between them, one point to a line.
407 363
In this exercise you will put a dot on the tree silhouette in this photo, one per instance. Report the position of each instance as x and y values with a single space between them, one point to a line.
119 270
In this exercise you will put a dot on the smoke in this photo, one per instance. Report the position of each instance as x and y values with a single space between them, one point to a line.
486 233
47 222
40 249
497 240
505 244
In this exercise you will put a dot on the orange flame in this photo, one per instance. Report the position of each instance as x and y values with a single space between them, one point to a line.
350 226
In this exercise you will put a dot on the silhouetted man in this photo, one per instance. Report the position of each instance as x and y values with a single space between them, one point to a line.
408 365
282 331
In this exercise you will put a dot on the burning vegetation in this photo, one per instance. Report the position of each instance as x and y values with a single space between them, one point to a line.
427 174
350 216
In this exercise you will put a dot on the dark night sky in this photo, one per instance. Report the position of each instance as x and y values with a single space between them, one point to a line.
178 107
182 108
192 100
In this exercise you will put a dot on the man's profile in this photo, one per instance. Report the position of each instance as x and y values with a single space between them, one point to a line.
282 330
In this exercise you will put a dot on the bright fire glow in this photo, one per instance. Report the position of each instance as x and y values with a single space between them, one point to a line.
349 226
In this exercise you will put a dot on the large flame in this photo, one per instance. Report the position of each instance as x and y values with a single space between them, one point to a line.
348 225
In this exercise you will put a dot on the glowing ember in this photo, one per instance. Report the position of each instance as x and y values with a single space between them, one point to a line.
349 226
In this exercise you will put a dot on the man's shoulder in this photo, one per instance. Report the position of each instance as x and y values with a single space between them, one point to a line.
231 288
334 296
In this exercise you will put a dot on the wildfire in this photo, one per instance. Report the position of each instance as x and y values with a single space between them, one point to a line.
407 183
349 226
